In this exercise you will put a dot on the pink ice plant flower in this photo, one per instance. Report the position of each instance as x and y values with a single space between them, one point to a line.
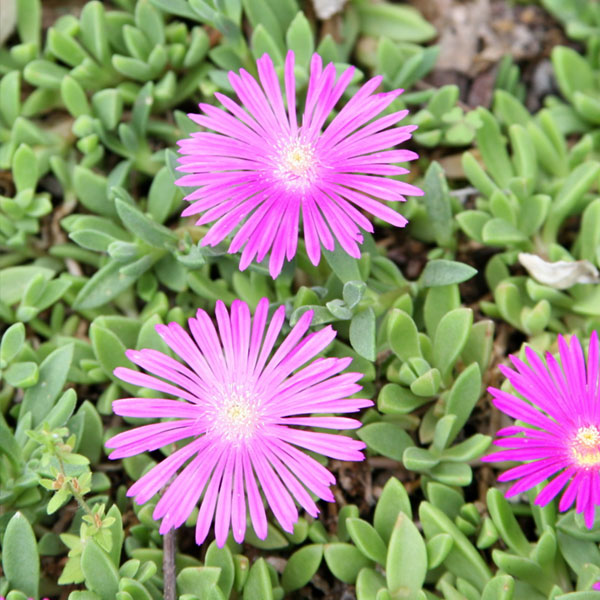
245 409
558 433
596 586
260 167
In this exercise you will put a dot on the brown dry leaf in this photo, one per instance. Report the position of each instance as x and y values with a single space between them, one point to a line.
461 26
475 34
452 165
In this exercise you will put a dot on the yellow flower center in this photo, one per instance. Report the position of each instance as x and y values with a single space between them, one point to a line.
296 164
237 414
585 447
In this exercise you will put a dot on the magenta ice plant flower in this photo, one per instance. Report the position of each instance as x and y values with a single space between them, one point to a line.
260 167
596 586
245 409
558 430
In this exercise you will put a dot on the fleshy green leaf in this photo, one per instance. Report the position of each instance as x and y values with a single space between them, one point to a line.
406 564
444 272
101 575
14 281
12 341
397 22
301 566
53 371
362 333
367 540
450 338
387 439
345 561
20 559
393 500
258 584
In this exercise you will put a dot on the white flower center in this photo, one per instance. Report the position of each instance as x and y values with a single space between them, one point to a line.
585 447
296 164
237 414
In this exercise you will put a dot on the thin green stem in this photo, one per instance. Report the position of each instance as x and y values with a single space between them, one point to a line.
76 493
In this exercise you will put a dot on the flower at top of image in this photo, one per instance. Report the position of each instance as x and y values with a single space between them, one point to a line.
259 167
246 410
558 434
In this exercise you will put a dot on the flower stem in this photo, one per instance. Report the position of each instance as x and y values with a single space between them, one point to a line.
169 565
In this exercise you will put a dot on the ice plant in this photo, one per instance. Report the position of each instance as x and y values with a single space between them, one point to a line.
558 433
244 409
261 167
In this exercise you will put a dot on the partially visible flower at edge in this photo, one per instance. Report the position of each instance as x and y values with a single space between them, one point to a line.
596 586
240 403
260 167
559 430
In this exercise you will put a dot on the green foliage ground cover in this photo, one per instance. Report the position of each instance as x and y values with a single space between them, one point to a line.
95 255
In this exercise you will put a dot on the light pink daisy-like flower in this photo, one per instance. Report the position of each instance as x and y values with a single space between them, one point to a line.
262 168
240 405
559 433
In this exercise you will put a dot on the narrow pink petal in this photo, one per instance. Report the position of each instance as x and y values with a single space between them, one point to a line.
223 512
291 341
180 498
290 91
324 422
154 408
570 494
207 507
292 484
151 437
270 338
292 353
312 474
545 469
258 516
143 380
155 479
258 329
270 83
328 444
238 505
278 498
552 489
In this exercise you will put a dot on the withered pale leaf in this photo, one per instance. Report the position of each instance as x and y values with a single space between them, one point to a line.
328 8
561 274
8 20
